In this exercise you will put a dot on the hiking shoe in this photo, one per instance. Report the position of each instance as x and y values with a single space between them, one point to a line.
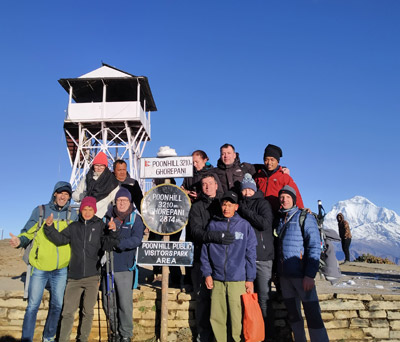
113 338
125 339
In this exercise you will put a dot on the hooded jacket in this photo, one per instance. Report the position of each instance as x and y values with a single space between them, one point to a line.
231 175
85 238
298 256
257 210
234 262
45 255
344 228
130 235
271 183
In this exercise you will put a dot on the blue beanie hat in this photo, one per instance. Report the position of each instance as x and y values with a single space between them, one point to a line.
248 183
123 192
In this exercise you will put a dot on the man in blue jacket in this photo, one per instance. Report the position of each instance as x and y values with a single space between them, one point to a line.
298 262
229 270
128 229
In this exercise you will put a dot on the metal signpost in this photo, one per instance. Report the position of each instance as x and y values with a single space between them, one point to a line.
165 210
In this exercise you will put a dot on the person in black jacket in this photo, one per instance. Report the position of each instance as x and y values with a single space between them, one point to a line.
125 181
201 166
257 211
85 237
230 169
200 215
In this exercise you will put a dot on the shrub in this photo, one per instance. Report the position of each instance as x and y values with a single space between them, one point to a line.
372 259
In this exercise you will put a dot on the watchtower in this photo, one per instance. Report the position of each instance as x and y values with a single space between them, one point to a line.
108 110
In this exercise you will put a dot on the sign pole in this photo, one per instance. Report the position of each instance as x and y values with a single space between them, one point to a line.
165 209
164 295
164 300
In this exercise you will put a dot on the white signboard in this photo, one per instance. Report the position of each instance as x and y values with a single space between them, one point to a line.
165 253
169 167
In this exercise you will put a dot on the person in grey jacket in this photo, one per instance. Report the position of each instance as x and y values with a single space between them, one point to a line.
298 262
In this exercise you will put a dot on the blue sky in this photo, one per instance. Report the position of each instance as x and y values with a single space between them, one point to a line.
318 78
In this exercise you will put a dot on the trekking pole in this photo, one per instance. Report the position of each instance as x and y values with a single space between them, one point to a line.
321 216
113 293
27 281
107 296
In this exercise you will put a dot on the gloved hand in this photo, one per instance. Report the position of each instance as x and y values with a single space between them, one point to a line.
227 238
109 243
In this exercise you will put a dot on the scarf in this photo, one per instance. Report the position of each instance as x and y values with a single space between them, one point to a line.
122 215
102 186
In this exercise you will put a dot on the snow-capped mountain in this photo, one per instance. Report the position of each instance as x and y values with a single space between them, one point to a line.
375 230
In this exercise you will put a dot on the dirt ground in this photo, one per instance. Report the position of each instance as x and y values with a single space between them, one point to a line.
357 277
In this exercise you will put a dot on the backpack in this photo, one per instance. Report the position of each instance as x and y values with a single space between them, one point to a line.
328 263
28 248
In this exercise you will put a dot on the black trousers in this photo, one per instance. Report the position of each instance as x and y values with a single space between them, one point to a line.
346 248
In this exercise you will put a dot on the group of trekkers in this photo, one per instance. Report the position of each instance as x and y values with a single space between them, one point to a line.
243 222
68 252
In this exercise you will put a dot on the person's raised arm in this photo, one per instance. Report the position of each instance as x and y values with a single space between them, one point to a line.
58 238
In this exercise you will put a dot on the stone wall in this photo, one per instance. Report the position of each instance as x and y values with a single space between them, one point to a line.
146 313
348 317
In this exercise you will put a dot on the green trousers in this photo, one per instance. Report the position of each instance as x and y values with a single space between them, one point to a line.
226 302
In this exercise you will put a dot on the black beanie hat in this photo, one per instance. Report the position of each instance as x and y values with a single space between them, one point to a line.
273 151
290 191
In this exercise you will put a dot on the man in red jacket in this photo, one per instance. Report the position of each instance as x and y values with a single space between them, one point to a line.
271 178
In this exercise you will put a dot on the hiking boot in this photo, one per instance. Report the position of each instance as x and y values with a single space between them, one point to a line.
113 338
125 339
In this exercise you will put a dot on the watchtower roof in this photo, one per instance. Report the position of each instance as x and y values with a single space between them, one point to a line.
122 86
